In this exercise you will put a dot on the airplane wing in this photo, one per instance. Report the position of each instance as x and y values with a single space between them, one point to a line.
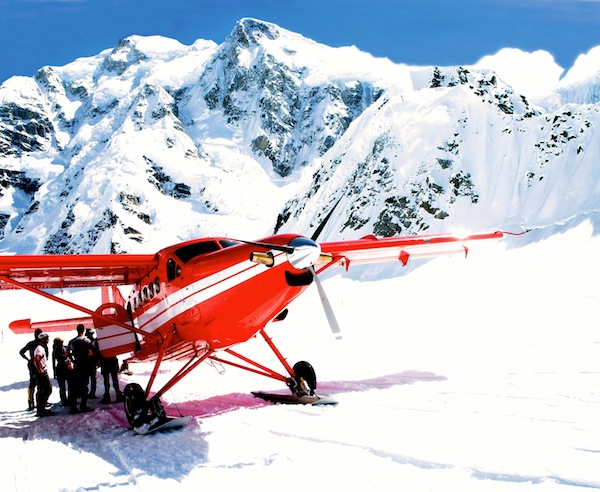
372 249
72 271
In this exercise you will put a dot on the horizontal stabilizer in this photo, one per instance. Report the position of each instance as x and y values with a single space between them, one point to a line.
26 326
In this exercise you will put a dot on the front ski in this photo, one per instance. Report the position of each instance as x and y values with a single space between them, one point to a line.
163 425
295 399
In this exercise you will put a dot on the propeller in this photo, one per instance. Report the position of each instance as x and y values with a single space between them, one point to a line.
303 253
333 324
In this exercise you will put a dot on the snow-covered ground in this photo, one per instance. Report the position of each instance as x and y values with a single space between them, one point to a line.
459 375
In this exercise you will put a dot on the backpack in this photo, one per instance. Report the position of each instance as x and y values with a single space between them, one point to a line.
81 352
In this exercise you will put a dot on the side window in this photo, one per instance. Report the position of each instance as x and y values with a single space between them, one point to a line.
173 270
157 285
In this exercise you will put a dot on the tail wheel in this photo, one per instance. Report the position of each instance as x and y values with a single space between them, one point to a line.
306 378
135 404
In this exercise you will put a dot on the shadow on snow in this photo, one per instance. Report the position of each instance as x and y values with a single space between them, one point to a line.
160 454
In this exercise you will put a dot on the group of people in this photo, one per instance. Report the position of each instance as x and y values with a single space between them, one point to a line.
75 368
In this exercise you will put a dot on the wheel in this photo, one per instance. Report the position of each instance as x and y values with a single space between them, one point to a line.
305 377
135 404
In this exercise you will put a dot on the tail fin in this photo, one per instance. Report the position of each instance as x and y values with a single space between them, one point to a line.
114 339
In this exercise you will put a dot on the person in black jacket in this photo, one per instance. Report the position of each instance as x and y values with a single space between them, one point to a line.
90 335
27 353
62 366
81 353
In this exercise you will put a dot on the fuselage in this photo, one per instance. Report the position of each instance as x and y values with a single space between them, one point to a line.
208 290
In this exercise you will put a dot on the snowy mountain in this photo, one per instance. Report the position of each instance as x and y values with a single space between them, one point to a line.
477 375
153 142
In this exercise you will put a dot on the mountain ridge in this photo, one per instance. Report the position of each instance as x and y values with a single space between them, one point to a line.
267 131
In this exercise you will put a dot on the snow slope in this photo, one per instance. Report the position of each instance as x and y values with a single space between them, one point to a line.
474 375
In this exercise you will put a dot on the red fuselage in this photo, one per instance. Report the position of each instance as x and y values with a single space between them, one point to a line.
209 290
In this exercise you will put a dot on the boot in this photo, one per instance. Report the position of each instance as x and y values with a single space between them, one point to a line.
30 402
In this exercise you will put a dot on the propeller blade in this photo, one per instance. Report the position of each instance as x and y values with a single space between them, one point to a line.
333 324
322 225
276 247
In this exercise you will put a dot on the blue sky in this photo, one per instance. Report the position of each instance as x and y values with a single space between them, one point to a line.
35 33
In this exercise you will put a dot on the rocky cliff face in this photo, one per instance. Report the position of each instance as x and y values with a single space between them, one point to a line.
286 121
153 142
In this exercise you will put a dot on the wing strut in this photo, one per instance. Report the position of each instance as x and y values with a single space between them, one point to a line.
190 365
161 354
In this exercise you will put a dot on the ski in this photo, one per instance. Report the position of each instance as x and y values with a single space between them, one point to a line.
295 399
163 425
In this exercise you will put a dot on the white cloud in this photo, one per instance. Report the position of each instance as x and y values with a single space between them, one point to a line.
532 74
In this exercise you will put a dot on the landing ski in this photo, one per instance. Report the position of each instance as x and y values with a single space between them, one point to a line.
163 425
295 399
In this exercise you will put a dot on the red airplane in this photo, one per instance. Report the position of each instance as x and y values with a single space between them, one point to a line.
196 300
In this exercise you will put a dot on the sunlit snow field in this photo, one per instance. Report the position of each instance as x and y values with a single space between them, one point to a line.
464 375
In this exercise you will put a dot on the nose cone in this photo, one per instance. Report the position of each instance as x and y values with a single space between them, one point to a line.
306 253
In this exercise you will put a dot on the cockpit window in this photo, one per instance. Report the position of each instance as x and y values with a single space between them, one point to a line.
228 243
173 270
186 253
